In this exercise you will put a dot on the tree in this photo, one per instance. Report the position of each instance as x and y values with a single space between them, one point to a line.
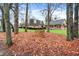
16 18
7 24
70 21
53 8
76 21
2 21
10 8
26 21
49 16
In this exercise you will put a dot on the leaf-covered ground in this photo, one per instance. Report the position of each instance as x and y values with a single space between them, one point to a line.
40 44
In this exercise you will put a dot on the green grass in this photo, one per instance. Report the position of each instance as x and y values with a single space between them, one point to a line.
31 30
23 30
56 31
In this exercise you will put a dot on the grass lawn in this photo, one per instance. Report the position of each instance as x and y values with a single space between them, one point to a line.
23 30
56 31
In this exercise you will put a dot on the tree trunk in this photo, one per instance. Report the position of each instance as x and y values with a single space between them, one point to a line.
70 21
12 27
76 21
26 21
3 21
49 14
7 25
16 19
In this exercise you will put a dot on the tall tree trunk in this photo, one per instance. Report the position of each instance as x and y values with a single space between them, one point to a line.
16 19
49 14
7 24
76 21
12 27
3 21
70 21
26 21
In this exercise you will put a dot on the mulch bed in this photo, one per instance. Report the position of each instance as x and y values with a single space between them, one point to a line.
41 44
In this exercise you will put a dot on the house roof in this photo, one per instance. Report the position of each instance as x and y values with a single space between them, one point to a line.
55 22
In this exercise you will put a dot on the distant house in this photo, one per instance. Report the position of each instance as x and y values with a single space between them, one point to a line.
39 23
32 23
35 23
57 23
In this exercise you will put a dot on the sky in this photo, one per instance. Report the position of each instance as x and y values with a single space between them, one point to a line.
35 8
34 12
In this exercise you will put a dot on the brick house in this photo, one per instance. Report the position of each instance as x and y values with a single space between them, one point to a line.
57 24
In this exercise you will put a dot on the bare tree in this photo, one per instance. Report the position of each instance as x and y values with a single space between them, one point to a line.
7 24
70 21
53 8
49 16
26 21
2 21
76 20
16 18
